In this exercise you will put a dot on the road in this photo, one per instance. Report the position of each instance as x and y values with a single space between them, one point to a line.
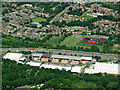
58 15
102 55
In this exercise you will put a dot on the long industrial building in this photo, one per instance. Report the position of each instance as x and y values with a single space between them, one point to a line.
60 58
74 69
104 67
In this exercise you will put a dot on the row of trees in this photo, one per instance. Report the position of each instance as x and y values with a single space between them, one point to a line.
92 49
15 75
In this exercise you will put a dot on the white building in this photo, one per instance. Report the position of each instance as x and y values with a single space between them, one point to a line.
104 67
86 58
55 67
13 56
22 59
33 63
76 69
72 69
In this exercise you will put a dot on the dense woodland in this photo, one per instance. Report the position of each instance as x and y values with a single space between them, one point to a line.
14 75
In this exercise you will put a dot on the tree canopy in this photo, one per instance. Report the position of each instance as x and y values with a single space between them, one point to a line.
16 74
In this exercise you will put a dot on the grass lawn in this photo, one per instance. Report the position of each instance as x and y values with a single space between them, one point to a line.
87 16
72 40
38 19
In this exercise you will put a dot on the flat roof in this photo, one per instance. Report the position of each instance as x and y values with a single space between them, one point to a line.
86 58
76 69
13 56
66 57
62 56
55 67
104 67
33 63
37 54
46 55
23 58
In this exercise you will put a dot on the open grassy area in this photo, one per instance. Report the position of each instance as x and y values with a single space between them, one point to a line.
72 40
87 16
38 19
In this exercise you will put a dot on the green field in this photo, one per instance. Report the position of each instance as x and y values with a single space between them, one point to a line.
87 16
84 15
72 40
38 19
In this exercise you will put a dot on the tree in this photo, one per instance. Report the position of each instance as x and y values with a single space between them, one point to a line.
59 53
30 57
80 63
8 51
94 11
95 49
112 85
92 33
97 32
60 60
4 11
6 19
84 33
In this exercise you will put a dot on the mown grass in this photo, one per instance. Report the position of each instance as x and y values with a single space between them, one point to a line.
38 19
72 40
87 16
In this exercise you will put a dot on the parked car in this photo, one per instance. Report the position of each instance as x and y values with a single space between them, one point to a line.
32 48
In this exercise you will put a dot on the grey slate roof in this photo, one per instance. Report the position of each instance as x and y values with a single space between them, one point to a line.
37 54
66 57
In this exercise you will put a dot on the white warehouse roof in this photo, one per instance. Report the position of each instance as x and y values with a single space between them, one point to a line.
86 58
55 67
76 69
104 67
33 63
108 68
13 56
37 54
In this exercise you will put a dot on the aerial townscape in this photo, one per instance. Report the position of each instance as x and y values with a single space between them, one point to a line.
60 45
